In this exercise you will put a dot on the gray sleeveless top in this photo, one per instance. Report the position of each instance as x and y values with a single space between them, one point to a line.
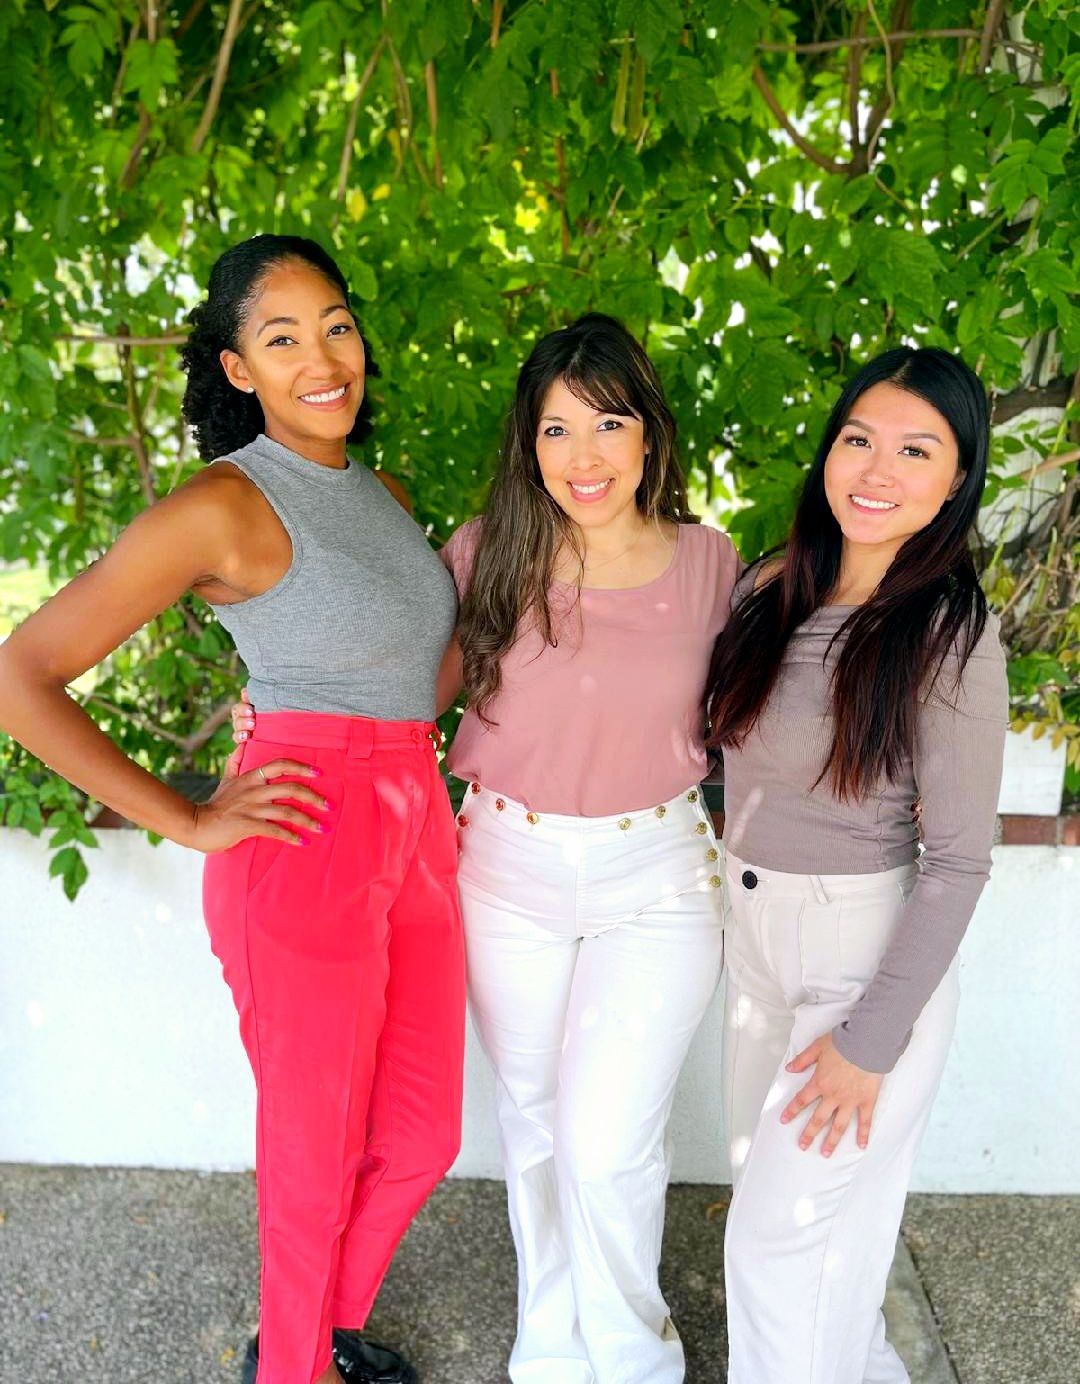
359 622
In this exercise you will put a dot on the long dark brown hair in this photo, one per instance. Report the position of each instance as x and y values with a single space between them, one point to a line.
523 529
928 602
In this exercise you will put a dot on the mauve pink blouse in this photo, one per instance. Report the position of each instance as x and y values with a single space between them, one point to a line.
610 720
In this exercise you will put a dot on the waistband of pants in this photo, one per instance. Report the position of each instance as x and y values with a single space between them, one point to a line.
357 736
779 884
478 797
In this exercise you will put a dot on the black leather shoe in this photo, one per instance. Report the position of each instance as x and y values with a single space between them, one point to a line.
366 1362
358 1361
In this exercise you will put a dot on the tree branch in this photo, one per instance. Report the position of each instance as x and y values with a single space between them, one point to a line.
433 117
1055 394
496 21
221 70
188 743
830 45
803 145
354 116
854 86
122 339
190 18
990 27
127 175
887 96
560 164
138 437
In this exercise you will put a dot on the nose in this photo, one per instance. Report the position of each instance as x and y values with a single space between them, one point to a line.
584 454
319 360
878 468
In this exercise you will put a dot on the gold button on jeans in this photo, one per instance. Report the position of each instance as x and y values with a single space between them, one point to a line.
624 824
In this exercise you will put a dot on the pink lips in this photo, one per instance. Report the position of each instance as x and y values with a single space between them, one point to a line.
328 405
868 509
590 499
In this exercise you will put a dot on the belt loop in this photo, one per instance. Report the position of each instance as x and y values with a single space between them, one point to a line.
819 889
361 738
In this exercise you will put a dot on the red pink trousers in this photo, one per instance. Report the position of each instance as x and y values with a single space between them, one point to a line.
346 963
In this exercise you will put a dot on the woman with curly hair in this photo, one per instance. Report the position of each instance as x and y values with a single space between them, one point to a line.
329 882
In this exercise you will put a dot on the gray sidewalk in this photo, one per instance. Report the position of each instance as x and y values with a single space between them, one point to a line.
137 1277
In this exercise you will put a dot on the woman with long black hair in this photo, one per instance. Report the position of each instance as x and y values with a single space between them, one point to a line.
860 670
345 958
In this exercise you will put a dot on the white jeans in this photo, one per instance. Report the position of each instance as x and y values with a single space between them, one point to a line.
594 946
810 1239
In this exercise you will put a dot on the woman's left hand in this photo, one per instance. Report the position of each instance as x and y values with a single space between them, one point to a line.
841 1090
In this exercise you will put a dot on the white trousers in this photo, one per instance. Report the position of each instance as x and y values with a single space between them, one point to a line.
810 1239
594 947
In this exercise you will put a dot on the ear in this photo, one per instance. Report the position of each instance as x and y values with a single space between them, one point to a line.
235 369
958 481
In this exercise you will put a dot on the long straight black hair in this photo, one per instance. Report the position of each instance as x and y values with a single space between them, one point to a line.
523 528
927 604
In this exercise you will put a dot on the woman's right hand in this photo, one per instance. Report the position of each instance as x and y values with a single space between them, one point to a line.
252 804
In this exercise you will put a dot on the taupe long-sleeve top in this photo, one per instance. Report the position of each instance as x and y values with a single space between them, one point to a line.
777 819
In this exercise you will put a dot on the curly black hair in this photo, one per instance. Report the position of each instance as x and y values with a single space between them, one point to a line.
222 417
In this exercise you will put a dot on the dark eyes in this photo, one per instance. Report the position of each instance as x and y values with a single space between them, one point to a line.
851 439
338 329
557 429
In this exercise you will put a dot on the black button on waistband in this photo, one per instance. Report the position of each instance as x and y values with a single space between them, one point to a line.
749 879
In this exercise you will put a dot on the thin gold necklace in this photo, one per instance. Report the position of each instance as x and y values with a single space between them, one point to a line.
604 562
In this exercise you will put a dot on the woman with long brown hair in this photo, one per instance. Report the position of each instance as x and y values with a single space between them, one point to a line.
589 874
860 670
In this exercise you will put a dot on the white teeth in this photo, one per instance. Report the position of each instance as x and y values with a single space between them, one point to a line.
872 504
590 489
327 398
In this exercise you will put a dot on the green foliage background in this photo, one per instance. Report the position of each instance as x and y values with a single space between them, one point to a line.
766 194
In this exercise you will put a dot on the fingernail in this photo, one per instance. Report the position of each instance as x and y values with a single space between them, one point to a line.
321 826
784 1119
826 1153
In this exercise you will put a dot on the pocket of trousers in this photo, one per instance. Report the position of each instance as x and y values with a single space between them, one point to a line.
864 928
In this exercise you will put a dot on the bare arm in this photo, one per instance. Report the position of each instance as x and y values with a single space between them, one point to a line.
449 680
188 536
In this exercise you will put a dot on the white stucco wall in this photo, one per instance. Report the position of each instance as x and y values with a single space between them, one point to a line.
118 1040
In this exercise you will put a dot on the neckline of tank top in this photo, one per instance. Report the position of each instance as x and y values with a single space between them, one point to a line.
307 470
630 590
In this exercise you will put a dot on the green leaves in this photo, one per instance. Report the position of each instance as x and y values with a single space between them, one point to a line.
614 155
151 67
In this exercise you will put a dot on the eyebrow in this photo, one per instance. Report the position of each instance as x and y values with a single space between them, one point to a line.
858 423
294 322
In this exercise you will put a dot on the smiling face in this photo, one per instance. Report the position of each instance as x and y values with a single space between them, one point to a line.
893 465
591 462
301 352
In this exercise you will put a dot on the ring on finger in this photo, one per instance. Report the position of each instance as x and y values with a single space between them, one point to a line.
262 774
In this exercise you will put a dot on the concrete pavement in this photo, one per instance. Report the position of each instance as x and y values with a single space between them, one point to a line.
137 1277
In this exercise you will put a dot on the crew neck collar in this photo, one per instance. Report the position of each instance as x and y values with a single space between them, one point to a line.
302 466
